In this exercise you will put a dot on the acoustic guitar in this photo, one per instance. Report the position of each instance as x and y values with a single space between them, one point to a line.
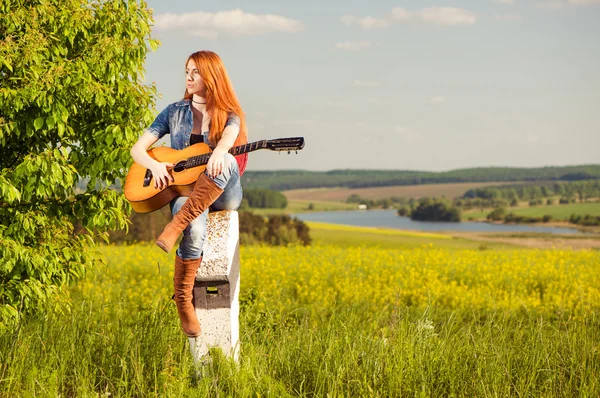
187 163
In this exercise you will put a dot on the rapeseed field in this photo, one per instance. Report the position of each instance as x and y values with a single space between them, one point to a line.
327 320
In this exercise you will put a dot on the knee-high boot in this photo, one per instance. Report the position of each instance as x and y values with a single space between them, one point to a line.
183 284
204 194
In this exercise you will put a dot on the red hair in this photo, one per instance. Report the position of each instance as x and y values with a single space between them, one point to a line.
220 97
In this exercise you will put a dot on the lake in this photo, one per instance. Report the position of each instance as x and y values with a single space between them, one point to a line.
390 219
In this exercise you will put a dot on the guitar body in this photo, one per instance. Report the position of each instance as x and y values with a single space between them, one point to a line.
145 199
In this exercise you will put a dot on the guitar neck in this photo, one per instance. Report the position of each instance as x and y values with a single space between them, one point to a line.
200 160
250 147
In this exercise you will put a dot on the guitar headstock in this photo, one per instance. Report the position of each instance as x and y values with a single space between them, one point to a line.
286 144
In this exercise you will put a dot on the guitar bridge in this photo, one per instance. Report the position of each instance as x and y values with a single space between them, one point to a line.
147 177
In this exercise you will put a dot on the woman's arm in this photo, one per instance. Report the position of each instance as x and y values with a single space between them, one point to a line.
214 166
139 153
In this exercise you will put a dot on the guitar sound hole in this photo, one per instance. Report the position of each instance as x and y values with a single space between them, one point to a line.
180 166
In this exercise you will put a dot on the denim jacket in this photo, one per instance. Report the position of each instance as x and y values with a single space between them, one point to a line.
177 120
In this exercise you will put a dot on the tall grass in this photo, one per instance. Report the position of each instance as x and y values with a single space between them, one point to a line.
293 343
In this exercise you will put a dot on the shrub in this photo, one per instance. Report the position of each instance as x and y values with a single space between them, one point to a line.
512 217
404 211
497 214
276 230
435 210
586 220
265 199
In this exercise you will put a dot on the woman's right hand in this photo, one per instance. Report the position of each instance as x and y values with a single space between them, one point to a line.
161 175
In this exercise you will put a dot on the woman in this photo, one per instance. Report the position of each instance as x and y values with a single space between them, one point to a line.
210 113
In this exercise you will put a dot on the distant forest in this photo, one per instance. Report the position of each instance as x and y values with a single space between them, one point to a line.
299 179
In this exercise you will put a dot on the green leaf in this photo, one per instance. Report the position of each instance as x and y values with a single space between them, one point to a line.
38 123
50 122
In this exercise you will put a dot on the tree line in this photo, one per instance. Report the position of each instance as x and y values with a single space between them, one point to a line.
263 199
568 191
502 196
302 179
276 229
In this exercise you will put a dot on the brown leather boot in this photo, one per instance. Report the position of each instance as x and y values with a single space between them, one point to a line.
183 284
204 194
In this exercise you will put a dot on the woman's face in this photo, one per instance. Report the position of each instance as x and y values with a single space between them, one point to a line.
193 80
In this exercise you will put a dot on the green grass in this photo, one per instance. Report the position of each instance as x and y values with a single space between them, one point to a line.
558 212
117 342
350 236
301 206
351 353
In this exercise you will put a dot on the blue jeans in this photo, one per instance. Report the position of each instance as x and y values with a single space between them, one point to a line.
194 234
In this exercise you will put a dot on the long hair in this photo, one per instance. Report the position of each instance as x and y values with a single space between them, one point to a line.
220 97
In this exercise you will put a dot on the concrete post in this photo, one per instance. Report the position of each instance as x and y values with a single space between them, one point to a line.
217 287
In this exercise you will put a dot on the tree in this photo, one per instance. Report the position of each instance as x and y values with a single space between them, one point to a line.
265 199
404 211
497 214
435 210
71 106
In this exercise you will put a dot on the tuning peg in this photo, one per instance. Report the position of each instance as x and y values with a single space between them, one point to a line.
296 152
289 152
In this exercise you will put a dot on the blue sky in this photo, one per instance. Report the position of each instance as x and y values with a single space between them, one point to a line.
400 84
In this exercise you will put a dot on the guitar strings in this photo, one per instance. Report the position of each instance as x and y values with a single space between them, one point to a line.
199 160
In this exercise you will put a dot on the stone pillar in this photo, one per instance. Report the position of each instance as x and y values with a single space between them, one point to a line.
217 287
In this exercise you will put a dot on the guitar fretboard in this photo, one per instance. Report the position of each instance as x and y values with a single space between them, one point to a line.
200 160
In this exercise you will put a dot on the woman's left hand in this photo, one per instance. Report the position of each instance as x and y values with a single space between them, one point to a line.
214 167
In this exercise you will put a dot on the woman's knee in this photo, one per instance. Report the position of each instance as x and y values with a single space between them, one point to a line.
230 170
193 239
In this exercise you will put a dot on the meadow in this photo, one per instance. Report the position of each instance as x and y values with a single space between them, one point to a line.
558 212
382 314
450 190
304 206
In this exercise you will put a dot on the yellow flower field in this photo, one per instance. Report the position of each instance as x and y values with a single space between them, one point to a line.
317 277
329 320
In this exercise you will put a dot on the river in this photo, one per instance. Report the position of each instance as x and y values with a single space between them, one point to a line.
390 219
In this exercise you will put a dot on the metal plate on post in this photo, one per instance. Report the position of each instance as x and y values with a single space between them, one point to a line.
211 295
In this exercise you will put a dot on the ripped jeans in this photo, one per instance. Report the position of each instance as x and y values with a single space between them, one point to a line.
194 234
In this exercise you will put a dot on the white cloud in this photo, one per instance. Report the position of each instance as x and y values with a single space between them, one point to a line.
558 4
379 101
447 16
443 16
555 5
337 104
409 134
226 23
518 137
367 22
400 14
366 83
583 2
438 99
373 23
348 19
508 17
505 1
353 45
